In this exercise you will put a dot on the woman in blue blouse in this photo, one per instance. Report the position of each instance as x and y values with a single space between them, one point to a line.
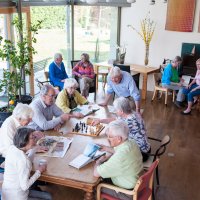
57 73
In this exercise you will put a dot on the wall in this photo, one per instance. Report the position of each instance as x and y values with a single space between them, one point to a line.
165 44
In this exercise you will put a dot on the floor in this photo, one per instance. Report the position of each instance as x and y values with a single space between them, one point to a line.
179 167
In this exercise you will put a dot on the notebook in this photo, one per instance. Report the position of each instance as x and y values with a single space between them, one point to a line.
86 109
186 80
90 154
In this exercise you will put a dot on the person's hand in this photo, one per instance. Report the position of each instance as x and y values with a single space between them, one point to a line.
79 75
105 148
42 168
38 135
102 104
65 117
41 149
101 160
78 115
62 80
193 90
95 122
57 127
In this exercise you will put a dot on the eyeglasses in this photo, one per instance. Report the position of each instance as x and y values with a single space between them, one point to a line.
51 95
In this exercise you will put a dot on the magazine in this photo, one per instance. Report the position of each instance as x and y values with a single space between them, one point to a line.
90 154
86 109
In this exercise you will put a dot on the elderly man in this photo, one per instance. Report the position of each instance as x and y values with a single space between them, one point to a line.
171 80
57 73
125 163
45 109
122 84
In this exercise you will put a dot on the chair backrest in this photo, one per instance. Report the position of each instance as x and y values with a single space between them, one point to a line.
161 150
157 78
74 62
46 75
125 68
144 186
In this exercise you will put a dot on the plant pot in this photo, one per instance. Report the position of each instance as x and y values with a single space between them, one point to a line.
4 114
26 99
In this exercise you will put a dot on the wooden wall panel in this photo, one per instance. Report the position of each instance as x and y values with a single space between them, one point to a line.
180 15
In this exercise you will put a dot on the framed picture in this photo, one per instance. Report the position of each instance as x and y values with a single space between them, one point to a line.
180 15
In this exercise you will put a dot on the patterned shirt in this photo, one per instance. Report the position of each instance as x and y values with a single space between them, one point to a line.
84 68
137 131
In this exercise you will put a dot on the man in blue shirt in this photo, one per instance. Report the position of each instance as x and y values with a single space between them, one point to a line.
57 73
122 84
168 78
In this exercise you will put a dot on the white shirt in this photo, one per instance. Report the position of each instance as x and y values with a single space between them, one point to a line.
7 133
17 178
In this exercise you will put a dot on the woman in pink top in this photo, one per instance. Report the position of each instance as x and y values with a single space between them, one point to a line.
85 73
193 90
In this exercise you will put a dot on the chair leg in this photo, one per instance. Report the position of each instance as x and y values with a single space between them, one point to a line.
154 94
157 176
166 96
174 93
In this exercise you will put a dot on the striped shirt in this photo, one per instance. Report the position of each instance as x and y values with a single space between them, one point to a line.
84 68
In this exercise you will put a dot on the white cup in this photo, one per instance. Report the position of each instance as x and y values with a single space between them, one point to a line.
42 162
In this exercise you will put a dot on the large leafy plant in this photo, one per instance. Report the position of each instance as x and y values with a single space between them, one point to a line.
18 54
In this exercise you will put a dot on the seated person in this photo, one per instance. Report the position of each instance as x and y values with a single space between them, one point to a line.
122 84
193 90
45 109
21 116
85 73
124 165
18 167
137 130
171 80
69 98
57 73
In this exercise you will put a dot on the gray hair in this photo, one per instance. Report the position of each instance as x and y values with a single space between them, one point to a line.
45 89
123 105
115 71
21 138
70 82
23 111
119 128
57 55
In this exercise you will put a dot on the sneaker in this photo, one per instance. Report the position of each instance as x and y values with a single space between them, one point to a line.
178 104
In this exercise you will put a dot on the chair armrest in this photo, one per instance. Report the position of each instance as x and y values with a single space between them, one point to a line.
112 187
151 138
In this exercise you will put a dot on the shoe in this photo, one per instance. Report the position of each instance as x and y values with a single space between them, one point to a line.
178 104
186 113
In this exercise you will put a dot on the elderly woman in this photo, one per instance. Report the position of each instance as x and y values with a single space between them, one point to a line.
193 90
18 167
135 123
69 98
85 73
22 115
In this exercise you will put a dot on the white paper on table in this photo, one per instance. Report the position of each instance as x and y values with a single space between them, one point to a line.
186 80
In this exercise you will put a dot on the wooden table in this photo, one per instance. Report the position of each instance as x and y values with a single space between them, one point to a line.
58 170
145 71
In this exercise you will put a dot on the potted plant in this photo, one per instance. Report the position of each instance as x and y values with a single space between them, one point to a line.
18 54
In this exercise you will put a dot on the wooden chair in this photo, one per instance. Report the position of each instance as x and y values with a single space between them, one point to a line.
103 73
162 145
158 87
92 89
143 189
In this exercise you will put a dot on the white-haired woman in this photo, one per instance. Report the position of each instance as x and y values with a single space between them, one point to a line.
137 130
69 98
22 115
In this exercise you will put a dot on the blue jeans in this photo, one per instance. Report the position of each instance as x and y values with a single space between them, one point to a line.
191 95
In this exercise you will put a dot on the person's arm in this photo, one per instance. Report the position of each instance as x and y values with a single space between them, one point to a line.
91 72
134 92
41 121
166 79
24 169
81 100
106 121
75 70
52 75
105 103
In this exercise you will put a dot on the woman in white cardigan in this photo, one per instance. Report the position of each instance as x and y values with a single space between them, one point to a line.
18 166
